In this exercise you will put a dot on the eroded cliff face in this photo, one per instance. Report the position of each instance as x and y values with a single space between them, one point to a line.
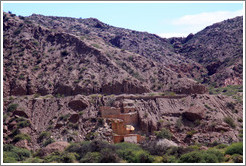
200 114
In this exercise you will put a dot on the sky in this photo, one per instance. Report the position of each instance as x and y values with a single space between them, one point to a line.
163 19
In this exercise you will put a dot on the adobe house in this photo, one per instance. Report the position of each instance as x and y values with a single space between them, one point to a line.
124 120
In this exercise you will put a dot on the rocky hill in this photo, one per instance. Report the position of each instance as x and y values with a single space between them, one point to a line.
219 48
61 73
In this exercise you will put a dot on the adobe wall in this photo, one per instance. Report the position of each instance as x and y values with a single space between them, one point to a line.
131 139
118 138
128 109
129 118
105 111
122 138
119 128
139 137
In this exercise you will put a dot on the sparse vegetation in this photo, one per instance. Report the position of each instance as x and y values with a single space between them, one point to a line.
64 117
230 90
96 46
115 76
12 107
36 68
164 133
13 154
190 133
229 121
19 137
235 148
23 123
48 141
44 135
209 156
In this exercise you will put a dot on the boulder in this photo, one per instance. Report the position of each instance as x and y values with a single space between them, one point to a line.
54 147
74 118
18 89
78 104
20 113
23 144
26 130
58 125
194 113
166 143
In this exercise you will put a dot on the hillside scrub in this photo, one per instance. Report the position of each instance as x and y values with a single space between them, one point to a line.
103 152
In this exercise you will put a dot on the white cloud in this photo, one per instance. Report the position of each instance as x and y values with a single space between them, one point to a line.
197 22
168 35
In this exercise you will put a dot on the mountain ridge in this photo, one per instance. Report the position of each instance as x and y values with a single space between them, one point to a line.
63 75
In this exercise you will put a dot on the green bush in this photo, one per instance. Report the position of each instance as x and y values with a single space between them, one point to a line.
97 146
209 156
177 151
91 157
192 157
191 133
19 137
80 148
235 148
64 117
60 157
12 107
133 153
164 133
13 154
86 149
10 157
96 46
217 153
229 121
48 141
221 146
169 159
53 157
44 135
22 124
68 157
14 132
7 159
33 160
237 158
109 156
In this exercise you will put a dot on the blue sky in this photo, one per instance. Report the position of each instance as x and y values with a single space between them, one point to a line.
164 19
